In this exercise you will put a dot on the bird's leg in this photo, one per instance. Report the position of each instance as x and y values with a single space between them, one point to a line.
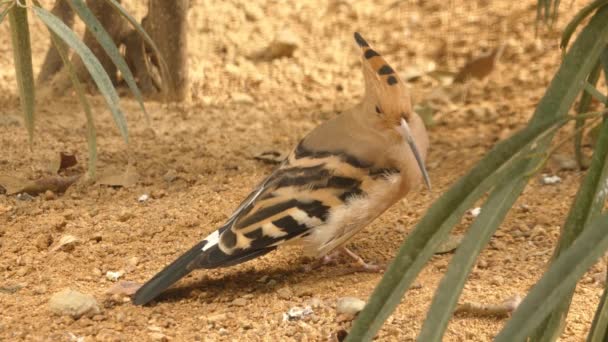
359 264
322 261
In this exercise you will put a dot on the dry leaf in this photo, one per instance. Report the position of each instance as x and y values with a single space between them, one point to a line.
56 184
66 243
65 161
479 67
115 177
271 157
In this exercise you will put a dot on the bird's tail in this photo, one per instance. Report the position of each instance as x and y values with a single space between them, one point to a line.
169 275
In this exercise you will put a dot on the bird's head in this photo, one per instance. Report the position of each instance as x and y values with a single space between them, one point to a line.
387 101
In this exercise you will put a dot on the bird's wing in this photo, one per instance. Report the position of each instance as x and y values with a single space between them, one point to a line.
295 198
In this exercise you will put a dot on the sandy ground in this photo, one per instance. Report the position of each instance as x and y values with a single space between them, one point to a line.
196 163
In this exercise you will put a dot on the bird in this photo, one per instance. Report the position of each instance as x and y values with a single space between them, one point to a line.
337 180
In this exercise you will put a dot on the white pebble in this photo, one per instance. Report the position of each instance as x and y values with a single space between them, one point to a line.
476 211
143 198
114 276
296 313
350 305
550 180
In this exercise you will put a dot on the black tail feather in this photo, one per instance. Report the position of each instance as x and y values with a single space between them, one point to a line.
168 276
195 258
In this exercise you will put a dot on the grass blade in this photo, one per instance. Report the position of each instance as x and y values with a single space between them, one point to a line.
587 205
558 281
22 54
583 106
79 89
104 39
492 214
599 327
164 70
578 18
5 11
92 64
445 212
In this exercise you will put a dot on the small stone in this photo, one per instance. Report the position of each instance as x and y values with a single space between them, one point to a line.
482 264
24 196
40 289
475 211
132 264
284 44
564 162
252 11
550 180
49 195
114 276
43 241
143 198
217 318
349 305
170 176
241 98
450 244
296 313
157 336
223 332
97 272
125 215
96 237
284 293
316 302
239 302
497 280
73 303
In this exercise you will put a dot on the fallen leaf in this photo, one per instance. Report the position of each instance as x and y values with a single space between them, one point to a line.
66 243
124 287
56 184
271 157
479 67
450 244
64 161
118 178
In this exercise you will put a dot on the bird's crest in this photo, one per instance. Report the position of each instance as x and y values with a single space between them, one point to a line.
382 84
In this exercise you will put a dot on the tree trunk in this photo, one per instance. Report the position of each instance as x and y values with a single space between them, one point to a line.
166 24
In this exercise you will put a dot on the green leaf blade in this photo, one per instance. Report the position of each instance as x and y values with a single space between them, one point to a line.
96 70
558 281
109 47
22 53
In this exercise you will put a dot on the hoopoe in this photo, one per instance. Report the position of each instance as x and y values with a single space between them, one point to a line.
337 180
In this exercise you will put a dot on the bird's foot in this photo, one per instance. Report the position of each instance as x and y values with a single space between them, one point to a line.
359 265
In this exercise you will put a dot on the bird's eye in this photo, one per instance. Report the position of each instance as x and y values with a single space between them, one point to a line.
378 110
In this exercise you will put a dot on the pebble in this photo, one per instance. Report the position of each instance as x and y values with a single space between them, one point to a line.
49 195
73 303
65 243
349 305
143 198
242 98
114 276
170 176
43 241
475 211
158 336
550 180
296 313
284 44
239 302
497 280
217 318
564 162
284 293
449 244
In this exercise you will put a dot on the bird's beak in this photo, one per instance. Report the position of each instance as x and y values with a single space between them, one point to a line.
408 137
